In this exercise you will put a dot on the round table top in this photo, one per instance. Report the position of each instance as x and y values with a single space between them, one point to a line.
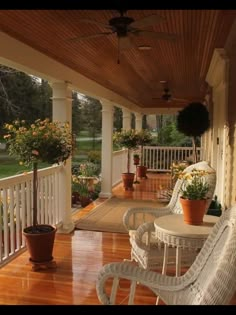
174 224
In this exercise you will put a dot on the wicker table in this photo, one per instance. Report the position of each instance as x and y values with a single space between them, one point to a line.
172 230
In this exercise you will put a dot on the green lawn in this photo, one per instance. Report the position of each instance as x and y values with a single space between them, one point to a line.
10 167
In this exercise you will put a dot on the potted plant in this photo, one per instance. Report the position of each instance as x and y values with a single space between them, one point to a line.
215 207
41 141
127 139
194 195
193 121
144 138
82 188
136 159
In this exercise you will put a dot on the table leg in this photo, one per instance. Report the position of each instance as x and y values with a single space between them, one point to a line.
165 259
164 267
178 261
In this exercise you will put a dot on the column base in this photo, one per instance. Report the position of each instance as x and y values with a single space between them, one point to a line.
66 228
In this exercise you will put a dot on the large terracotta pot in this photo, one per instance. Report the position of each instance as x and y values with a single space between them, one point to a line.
40 245
128 179
142 171
193 210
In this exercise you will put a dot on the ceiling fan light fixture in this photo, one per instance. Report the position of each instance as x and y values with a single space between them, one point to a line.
144 47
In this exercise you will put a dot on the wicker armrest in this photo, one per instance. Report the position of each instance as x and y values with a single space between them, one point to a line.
128 271
134 217
143 235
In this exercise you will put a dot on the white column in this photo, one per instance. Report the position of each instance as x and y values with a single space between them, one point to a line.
138 121
62 111
107 148
126 119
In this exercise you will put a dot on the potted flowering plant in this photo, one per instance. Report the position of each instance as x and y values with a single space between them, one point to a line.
144 138
127 139
41 141
193 193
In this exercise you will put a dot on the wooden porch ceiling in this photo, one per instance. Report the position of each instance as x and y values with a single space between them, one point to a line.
182 62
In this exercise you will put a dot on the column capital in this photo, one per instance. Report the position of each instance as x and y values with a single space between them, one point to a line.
107 105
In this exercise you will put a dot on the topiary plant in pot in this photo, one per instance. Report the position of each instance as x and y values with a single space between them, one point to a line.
31 143
193 121
144 138
127 139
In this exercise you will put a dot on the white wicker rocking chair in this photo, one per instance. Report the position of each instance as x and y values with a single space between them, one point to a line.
145 249
211 279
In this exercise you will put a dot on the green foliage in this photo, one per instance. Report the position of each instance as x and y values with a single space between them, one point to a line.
118 118
91 117
88 169
126 138
194 184
144 137
193 120
94 157
23 96
42 141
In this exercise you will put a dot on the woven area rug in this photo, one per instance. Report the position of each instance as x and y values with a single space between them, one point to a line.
107 217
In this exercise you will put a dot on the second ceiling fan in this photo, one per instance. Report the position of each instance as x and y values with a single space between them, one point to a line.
166 94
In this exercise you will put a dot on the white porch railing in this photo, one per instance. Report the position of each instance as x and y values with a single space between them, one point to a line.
16 207
16 194
159 159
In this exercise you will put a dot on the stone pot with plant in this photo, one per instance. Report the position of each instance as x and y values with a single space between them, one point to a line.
194 196
127 139
31 143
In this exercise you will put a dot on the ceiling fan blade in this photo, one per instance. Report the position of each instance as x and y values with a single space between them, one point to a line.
90 36
157 35
147 21
179 99
125 42
95 22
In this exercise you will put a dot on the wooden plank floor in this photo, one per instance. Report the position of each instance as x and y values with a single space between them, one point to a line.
79 256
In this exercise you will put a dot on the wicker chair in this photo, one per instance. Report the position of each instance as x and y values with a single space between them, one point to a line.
210 280
145 249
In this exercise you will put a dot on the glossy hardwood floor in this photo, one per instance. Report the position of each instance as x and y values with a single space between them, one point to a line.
79 257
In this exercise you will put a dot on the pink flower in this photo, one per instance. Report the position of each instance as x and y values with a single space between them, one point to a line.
35 152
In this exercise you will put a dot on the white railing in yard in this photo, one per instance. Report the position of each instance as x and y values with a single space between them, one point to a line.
16 207
159 159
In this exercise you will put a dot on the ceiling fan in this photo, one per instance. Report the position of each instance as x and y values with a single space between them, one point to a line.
126 28
166 95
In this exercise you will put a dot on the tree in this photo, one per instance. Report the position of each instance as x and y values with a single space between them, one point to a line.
117 118
193 121
92 117
23 96
76 113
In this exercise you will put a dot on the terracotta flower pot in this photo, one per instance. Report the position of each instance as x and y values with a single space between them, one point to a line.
193 210
128 179
40 244
141 171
